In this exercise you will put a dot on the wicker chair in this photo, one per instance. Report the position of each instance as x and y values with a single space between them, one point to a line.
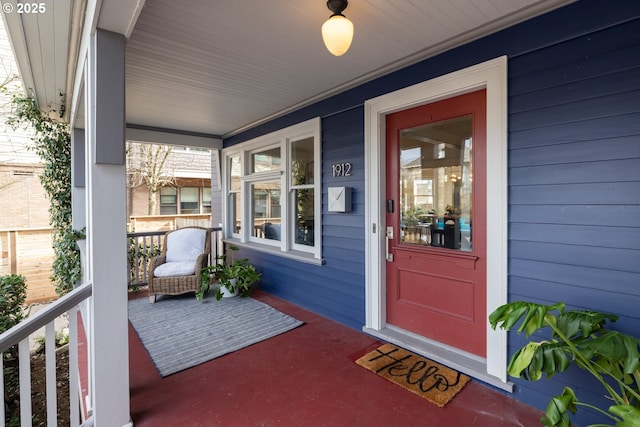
177 270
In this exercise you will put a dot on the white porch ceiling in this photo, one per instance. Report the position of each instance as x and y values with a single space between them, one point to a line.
217 67
37 38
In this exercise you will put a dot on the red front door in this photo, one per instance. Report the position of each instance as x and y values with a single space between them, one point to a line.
436 221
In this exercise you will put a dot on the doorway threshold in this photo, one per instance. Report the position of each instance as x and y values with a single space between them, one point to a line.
467 363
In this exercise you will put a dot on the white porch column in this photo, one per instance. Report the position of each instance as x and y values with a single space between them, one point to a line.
106 228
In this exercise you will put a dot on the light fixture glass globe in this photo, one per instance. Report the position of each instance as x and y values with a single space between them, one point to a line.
337 34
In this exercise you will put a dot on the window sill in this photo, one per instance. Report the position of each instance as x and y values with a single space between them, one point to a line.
293 254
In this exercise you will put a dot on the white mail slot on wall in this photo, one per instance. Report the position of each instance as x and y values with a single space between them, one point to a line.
339 199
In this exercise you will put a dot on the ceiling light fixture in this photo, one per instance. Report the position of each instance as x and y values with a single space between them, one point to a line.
337 31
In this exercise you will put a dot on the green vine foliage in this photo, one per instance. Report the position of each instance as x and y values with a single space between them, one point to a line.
13 293
52 143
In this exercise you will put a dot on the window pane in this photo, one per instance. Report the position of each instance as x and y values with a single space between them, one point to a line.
206 200
304 213
436 184
234 167
189 194
265 210
266 160
189 200
168 209
234 211
168 195
168 201
235 185
302 162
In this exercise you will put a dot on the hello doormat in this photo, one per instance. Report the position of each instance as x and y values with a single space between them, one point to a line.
430 380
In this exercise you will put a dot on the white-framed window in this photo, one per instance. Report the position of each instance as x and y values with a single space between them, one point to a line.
185 200
273 194
168 201
206 199
189 200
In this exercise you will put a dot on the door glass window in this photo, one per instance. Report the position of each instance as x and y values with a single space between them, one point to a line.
436 178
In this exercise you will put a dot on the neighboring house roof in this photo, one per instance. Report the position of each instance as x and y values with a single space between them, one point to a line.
182 162
187 163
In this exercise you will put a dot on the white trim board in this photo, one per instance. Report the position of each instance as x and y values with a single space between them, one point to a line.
492 76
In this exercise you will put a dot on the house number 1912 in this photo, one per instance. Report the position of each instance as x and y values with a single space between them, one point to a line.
341 169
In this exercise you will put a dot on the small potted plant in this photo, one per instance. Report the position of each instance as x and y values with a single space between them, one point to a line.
233 278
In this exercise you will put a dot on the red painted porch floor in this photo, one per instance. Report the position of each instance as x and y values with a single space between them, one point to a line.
305 377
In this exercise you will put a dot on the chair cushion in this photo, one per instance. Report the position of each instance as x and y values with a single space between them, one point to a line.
182 268
185 244
271 231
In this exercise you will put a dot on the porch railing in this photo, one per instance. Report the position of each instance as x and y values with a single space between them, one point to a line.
20 334
145 245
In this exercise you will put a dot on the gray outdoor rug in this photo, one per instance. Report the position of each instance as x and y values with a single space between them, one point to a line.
181 332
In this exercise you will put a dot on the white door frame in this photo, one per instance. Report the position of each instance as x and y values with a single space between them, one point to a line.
492 76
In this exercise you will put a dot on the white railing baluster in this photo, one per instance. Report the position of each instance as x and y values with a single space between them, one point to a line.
20 333
50 362
74 378
24 364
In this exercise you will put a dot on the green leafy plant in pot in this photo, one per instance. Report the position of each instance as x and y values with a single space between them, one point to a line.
232 278
578 337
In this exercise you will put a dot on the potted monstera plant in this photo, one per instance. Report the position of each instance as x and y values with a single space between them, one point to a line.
578 337
232 278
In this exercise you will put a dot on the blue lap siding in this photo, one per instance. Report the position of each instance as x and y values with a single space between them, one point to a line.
574 174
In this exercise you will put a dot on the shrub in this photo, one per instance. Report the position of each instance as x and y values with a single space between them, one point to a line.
13 293
139 256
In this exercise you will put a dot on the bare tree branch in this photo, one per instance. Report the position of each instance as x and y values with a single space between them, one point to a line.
147 165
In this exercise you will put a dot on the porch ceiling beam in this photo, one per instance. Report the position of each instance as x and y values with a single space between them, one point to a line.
120 16
172 137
